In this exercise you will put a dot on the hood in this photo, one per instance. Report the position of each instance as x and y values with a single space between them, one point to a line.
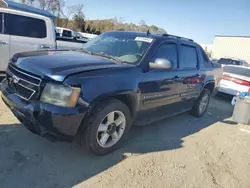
57 65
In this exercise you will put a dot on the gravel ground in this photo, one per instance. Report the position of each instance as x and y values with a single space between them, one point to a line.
182 151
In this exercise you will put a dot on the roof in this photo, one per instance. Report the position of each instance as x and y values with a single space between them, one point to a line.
26 8
152 35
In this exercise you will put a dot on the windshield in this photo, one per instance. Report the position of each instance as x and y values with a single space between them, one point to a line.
228 62
126 47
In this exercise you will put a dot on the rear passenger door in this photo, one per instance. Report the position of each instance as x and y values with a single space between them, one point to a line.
189 73
26 33
4 47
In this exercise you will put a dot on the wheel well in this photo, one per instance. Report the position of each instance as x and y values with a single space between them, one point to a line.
210 86
129 101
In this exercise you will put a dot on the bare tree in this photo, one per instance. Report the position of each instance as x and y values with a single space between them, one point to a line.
67 15
79 17
142 23
42 4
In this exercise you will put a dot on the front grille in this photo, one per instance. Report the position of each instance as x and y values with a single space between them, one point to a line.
23 84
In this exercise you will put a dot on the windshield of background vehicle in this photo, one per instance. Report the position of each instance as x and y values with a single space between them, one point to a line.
228 62
127 47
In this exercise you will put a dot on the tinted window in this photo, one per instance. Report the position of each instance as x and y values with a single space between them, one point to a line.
24 26
205 58
188 56
243 71
225 61
1 22
167 51
67 33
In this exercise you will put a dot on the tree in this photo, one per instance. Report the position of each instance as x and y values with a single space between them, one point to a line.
93 30
69 10
72 17
162 31
78 17
153 28
42 4
88 29
142 26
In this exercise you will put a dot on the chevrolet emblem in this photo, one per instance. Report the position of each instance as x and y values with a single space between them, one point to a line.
15 79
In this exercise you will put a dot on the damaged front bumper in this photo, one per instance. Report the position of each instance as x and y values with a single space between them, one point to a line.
47 120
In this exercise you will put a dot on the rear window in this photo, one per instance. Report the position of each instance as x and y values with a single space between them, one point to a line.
24 26
188 56
205 58
67 33
228 62
243 71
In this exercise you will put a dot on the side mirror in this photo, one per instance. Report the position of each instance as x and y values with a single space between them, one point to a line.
161 64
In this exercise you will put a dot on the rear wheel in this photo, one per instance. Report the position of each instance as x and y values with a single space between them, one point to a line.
108 124
202 103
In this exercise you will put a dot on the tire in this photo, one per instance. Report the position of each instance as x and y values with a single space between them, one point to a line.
196 110
99 114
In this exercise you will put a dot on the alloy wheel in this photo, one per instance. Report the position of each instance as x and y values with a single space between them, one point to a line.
111 129
203 103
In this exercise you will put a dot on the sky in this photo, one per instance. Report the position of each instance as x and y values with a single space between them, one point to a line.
196 19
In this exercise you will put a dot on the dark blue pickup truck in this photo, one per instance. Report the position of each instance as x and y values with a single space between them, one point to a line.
116 80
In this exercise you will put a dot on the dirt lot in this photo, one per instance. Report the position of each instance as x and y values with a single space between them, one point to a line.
182 151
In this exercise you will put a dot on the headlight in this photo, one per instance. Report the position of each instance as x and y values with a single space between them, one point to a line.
60 95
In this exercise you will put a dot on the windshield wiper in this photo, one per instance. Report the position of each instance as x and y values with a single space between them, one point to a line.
84 51
107 56
99 54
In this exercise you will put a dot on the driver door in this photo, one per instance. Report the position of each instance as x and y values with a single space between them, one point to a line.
159 87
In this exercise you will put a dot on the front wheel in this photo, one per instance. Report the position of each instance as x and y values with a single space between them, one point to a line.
108 124
202 103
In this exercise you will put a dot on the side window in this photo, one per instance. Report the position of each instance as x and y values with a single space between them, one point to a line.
205 59
67 33
24 26
188 56
167 51
1 22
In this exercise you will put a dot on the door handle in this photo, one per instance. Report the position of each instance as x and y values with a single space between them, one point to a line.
3 43
45 47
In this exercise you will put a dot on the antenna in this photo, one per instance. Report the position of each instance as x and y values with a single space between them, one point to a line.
148 32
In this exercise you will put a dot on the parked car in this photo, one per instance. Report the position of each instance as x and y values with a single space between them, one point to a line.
214 60
117 79
80 37
65 33
23 28
88 35
231 61
235 79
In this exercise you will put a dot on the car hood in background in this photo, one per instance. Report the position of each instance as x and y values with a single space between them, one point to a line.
57 65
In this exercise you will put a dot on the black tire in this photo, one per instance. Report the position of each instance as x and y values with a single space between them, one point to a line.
195 110
95 117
